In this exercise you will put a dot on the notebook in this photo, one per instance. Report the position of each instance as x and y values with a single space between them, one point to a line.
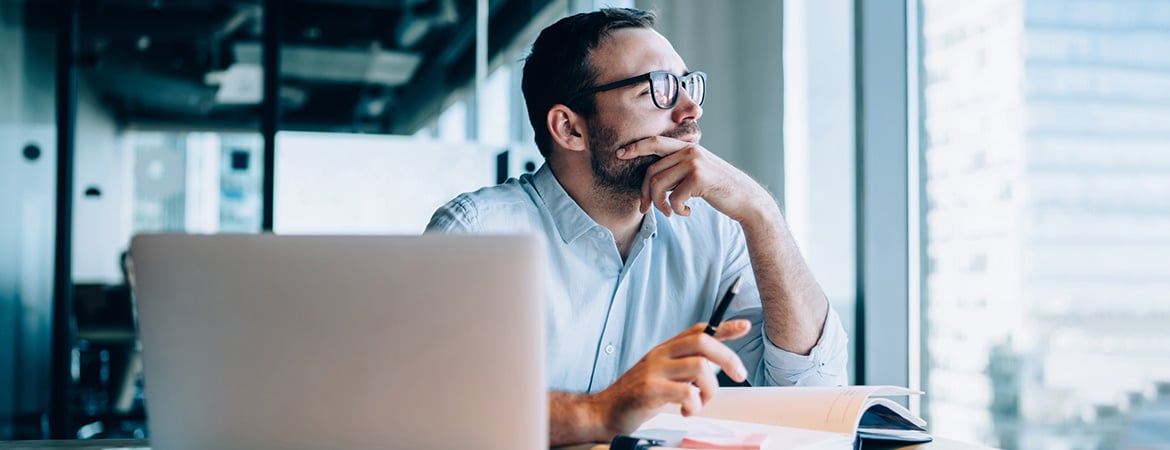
299 342
809 418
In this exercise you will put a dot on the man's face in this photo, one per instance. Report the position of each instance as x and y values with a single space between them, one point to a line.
624 175
628 114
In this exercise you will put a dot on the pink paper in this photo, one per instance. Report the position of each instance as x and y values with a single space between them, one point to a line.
737 442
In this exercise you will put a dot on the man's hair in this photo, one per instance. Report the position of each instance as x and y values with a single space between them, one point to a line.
559 63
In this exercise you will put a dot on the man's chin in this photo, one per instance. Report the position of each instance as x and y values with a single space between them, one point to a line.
624 184
643 162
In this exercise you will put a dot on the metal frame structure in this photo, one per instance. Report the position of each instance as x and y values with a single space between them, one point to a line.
886 290
61 361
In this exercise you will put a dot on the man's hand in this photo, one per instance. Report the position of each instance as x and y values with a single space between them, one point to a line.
676 371
689 170
795 307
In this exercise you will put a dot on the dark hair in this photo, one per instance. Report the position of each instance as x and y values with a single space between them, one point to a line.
559 63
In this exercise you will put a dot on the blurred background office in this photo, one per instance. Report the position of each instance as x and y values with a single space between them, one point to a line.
982 188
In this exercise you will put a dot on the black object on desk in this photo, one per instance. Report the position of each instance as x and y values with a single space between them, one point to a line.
623 442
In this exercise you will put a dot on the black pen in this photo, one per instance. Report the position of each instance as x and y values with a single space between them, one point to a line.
721 308
623 442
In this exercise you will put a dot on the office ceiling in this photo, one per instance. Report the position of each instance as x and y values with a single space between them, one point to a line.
381 66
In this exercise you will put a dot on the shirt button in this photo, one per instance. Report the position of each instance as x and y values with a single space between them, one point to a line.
609 349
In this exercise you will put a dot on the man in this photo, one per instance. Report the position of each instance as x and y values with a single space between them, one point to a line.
646 229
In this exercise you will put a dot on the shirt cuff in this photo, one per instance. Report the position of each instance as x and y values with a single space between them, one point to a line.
825 365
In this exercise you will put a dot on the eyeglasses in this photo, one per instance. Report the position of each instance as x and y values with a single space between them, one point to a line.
664 85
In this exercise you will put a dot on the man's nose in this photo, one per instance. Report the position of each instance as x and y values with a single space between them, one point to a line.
686 108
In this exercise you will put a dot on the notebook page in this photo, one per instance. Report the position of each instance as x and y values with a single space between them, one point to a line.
834 409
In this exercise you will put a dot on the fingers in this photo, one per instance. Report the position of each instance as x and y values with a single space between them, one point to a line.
690 396
687 170
659 180
677 371
693 401
680 174
682 393
679 197
696 371
694 342
707 383
693 369
653 145
731 329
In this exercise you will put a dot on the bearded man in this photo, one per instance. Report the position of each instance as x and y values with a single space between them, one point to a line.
645 230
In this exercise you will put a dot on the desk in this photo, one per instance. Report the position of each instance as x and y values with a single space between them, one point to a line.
937 444
946 444
93 444
141 444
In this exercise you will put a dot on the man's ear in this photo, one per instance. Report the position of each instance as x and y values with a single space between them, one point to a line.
567 128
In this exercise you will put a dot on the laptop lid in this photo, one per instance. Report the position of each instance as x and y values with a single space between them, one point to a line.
357 342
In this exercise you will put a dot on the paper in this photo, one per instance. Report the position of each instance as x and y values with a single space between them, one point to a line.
708 434
736 441
790 417
775 437
835 409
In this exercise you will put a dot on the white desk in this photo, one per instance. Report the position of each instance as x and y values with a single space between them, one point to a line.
937 444
140 444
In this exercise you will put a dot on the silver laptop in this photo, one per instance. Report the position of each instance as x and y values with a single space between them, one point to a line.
311 342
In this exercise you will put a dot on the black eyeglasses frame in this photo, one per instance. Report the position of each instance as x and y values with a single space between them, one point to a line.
646 77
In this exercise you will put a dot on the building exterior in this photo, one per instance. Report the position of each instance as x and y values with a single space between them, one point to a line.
1046 140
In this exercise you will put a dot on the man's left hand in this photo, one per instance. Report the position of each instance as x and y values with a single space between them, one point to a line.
689 170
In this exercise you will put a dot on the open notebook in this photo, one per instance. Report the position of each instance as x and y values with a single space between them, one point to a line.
794 418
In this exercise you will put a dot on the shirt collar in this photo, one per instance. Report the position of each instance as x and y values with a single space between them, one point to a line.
650 223
572 221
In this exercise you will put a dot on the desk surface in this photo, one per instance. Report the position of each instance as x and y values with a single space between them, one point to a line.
945 444
938 444
93 444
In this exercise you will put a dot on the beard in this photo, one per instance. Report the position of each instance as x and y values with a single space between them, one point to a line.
618 176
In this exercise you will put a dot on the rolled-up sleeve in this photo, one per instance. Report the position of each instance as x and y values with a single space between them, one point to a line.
825 365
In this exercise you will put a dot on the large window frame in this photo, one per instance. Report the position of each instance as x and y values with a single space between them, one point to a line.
889 319
879 112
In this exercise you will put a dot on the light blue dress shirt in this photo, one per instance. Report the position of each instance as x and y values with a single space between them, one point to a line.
605 314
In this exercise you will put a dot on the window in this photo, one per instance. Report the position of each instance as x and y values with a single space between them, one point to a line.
819 148
1045 140
201 182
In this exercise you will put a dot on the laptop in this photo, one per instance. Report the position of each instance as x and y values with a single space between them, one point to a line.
356 342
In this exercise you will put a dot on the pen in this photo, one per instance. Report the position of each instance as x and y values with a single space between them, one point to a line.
623 442
721 308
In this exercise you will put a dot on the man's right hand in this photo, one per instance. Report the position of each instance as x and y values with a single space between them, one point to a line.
676 371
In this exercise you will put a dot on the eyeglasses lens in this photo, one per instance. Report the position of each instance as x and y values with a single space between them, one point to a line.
695 86
665 87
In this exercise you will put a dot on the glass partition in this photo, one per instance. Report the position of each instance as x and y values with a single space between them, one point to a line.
1045 137
170 102
28 160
